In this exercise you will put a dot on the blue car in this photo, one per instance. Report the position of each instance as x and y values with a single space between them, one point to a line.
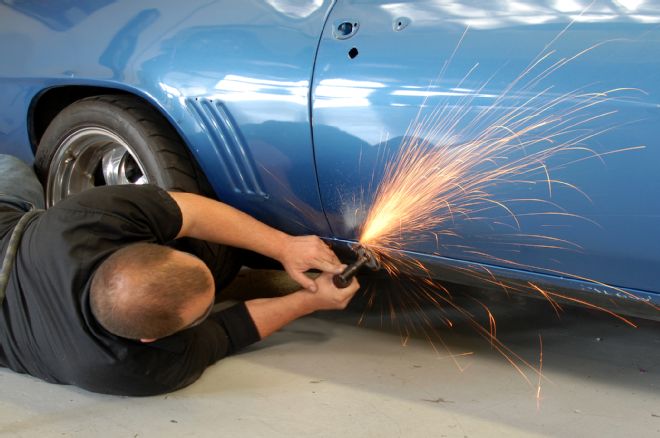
536 124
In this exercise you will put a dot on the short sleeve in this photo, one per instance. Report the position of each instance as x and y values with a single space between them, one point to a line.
136 211
238 325
222 334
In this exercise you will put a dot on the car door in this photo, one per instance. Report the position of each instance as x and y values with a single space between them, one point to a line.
388 74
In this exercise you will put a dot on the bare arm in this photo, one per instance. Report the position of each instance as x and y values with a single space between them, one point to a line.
271 314
210 220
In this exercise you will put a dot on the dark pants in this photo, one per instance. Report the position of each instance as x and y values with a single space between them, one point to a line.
19 186
21 197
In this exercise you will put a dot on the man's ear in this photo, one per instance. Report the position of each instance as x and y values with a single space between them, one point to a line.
146 341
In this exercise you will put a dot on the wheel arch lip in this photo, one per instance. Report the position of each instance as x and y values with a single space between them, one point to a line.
173 110
79 90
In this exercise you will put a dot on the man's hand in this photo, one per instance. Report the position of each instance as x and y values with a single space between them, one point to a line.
270 314
329 297
300 254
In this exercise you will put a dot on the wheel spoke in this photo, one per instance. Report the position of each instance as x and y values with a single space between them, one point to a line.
112 165
141 180
91 157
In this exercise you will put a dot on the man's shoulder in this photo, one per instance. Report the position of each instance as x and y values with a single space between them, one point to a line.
113 198
139 212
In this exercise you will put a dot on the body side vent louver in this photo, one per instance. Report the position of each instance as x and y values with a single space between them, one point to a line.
229 144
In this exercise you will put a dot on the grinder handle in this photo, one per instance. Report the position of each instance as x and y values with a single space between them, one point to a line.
340 281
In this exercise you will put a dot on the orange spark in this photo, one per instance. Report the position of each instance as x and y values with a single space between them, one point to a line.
449 166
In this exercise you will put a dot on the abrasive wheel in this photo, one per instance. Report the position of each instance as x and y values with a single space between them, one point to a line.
106 140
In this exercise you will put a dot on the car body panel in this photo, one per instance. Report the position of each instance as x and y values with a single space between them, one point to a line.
362 109
233 78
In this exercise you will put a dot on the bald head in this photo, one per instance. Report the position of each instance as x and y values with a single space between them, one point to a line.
148 291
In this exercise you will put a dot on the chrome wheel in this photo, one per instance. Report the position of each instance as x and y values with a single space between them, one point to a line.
90 157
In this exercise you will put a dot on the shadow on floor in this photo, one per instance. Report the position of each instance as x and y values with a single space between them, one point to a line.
577 340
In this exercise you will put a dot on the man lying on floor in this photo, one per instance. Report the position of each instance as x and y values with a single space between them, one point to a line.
93 297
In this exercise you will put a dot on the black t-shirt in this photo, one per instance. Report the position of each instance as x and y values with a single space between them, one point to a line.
47 328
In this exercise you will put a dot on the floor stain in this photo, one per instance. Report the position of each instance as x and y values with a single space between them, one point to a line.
438 400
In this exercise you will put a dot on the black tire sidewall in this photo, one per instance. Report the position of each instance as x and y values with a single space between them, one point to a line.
98 113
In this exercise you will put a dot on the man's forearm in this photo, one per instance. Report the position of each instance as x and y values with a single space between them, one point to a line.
271 314
214 221
210 220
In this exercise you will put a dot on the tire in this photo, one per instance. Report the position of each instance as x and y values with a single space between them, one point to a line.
106 140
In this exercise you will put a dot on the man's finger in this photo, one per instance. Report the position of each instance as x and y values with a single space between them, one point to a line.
329 266
304 281
332 257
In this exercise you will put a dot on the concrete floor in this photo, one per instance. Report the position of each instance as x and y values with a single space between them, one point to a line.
325 376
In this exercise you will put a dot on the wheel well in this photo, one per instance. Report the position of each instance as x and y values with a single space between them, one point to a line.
52 101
